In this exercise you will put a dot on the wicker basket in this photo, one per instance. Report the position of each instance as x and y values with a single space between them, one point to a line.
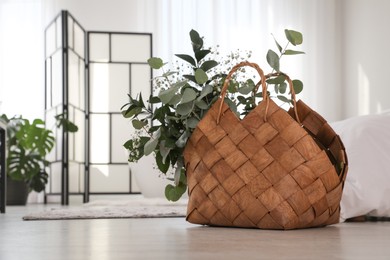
272 170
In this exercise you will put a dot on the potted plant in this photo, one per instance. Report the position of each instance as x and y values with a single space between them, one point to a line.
184 95
27 145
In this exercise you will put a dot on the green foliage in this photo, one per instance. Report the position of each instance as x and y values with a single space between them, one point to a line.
155 63
28 144
63 121
185 95
295 38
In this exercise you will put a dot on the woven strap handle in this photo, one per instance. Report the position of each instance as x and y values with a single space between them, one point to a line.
292 92
263 86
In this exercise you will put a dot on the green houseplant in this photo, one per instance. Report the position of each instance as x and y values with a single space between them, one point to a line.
184 96
27 145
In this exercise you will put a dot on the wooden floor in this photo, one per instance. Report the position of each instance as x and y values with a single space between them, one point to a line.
173 238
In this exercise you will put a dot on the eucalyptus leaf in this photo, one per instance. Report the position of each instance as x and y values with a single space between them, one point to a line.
278 80
187 58
200 54
170 143
201 104
178 170
196 40
169 73
242 99
141 101
245 90
184 109
167 94
277 44
207 65
232 87
192 122
138 124
188 95
294 37
160 113
133 112
231 105
175 100
162 166
181 142
298 86
273 59
283 98
152 143
174 193
201 76
190 77
292 52
282 87
164 151
205 91
155 63
150 146
154 100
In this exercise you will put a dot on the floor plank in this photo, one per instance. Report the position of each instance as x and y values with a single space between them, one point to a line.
174 238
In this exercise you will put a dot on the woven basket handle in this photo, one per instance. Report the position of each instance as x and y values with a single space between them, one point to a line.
292 92
229 76
263 86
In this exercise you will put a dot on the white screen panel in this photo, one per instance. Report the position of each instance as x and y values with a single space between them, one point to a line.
79 40
55 177
109 178
50 124
140 80
82 88
130 48
73 79
59 32
74 177
99 138
82 177
71 144
99 47
121 132
79 136
70 32
50 39
109 86
48 83
56 78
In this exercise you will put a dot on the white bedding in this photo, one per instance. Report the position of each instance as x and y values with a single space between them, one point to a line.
367 187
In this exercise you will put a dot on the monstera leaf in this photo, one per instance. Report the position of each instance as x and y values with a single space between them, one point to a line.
23 165
28 144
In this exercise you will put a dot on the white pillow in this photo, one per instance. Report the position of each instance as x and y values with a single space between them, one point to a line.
367 186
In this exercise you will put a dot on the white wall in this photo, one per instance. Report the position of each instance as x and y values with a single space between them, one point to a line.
366 56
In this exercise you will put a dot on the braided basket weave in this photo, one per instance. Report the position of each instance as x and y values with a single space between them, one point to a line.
272 170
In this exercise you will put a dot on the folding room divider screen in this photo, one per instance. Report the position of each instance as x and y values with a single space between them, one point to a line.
88 77
3 173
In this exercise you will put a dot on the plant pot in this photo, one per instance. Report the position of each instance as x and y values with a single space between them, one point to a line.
17 192
149 179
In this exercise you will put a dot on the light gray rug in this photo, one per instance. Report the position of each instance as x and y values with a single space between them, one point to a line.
134 208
